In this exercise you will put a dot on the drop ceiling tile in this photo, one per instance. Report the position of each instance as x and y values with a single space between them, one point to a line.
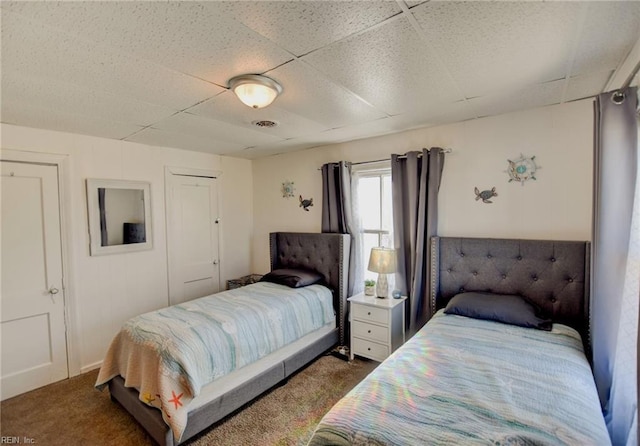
609 32
447 113
164 138
33 49
227 108
389 66
263 150
539 95
413 4
301 27
188 37
586 86
489 46
455 112
205 128
68 98
310 94
20 113
86 66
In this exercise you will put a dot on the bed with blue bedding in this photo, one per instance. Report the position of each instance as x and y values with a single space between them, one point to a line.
502 361
180 369
170 354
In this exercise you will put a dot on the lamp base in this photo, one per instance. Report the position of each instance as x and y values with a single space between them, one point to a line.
382 287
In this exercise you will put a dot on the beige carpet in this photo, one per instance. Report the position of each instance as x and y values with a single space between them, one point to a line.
72 412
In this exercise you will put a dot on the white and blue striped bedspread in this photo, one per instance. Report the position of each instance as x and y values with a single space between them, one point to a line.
462 381
169 354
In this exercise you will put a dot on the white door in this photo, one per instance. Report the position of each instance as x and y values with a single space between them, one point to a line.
34 350
192 228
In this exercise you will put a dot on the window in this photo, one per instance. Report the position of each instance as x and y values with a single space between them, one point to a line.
375 209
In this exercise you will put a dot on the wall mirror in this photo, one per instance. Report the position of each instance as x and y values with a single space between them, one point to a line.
119 216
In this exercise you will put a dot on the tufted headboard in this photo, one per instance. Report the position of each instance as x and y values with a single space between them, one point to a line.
554 275
326 253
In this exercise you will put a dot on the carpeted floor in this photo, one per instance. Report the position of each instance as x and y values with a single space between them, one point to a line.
73 412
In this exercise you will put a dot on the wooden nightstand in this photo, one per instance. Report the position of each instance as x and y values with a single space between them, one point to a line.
377 326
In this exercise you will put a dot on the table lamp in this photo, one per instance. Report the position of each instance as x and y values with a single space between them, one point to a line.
383 262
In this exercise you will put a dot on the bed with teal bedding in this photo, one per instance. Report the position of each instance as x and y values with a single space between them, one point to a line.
180 369
486 377
468 381
168 355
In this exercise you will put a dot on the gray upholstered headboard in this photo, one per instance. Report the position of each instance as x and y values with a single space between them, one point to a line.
552 274
326 253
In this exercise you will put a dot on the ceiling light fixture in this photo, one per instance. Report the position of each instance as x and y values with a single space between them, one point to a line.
255 90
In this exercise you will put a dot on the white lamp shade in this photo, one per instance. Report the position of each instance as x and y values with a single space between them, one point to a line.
382 260
254 90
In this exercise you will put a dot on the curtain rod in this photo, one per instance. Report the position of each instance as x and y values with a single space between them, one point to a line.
389 159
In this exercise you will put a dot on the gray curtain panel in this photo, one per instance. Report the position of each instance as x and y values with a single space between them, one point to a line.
338 216
415 180
615 170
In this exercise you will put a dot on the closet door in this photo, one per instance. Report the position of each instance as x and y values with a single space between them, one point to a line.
34 349
192 236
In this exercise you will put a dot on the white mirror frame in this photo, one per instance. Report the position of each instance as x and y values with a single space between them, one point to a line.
93 209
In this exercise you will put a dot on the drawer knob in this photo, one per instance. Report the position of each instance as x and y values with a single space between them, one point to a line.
369 348
369 313
368 331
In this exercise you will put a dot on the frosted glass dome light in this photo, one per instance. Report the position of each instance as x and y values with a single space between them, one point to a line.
254 90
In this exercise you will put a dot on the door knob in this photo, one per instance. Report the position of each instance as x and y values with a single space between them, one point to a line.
215 262
53 290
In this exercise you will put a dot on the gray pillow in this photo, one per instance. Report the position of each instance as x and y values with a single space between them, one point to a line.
505 308
294 278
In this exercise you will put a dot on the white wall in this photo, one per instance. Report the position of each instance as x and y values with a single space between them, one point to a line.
110 289
105 291
556 206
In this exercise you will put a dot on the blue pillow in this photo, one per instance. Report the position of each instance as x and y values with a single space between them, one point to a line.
294 278
505 308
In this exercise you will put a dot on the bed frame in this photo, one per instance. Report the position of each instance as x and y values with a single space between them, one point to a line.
326 253
552 274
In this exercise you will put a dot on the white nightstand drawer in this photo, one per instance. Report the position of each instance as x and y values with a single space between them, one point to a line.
370 331
370 314
377 326
370 349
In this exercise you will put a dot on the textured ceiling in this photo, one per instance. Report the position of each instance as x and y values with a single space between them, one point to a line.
157 72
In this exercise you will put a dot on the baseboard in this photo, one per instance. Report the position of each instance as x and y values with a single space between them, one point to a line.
90 367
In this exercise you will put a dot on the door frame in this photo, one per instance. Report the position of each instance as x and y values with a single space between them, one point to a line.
61 161
169 171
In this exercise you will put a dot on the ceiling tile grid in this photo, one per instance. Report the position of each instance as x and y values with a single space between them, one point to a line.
301 27
538 95
187 37
491 46
63 97
312 95
584 86
227 108
33 49
201 127
158 137
389 66
23 114
157 72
